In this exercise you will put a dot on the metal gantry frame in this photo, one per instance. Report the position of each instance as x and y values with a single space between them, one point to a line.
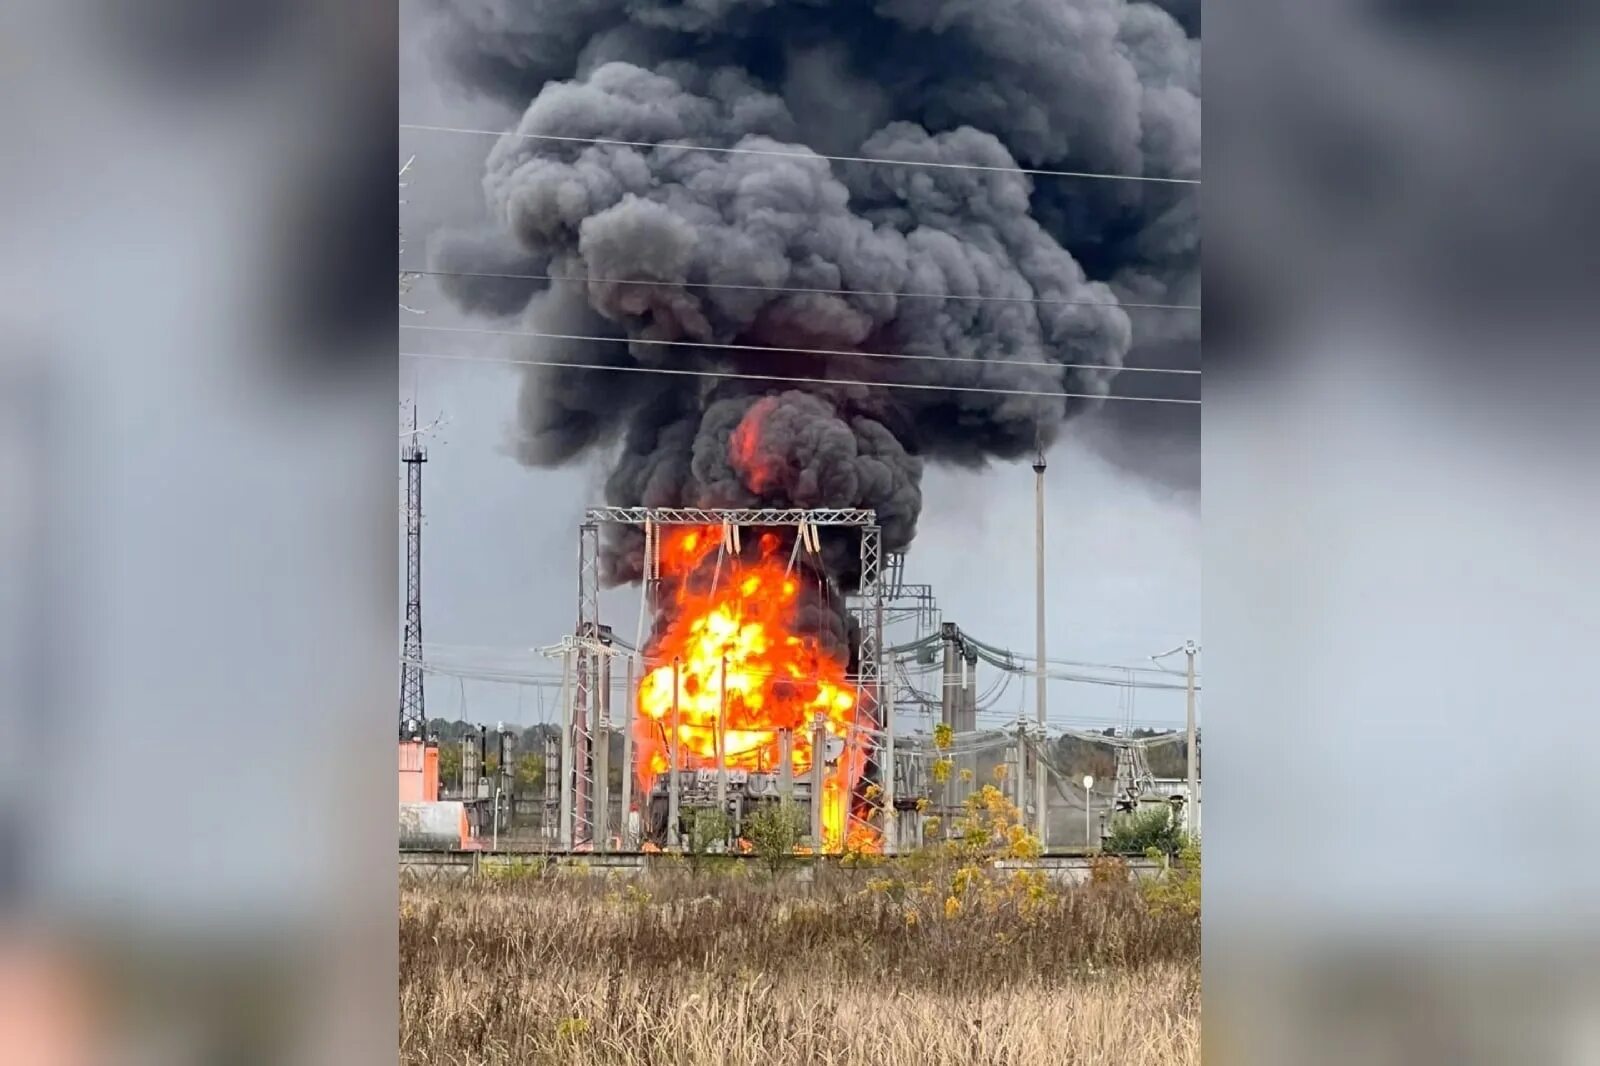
585 710
588 717
904 603
740 516
587 722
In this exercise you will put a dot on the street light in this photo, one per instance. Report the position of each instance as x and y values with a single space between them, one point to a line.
1088 798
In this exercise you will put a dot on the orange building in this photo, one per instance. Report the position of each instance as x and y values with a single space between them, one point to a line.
419 772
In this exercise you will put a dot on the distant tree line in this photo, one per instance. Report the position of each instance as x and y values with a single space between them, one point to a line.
1075 756
527 753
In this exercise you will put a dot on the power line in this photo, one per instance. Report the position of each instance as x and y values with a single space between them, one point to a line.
1060 723
801 155
1082 679
720 346
1019 659
505 677
796 380
967 297
504 649
468 672
1109 666
511 671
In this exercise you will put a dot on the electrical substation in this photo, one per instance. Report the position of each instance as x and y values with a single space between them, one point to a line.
875 730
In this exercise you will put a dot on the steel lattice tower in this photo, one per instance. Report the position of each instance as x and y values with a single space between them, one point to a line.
413 715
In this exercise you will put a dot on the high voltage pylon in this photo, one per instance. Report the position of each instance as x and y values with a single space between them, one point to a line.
413 713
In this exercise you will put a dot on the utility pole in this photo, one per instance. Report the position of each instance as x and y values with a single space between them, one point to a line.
786 765
629 843
506 785
890 816
1191 810
672 755
819 752
967 765
568 771
1039 799
600 758
722 742
1018 767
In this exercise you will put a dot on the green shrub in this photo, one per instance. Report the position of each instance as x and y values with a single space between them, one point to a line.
774 831
705 837
1176 890
1152 828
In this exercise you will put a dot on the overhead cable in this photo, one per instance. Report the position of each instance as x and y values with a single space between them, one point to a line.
842 352
685 284
746 376
776 153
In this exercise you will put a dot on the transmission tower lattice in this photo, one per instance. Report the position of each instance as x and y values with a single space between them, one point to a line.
413 715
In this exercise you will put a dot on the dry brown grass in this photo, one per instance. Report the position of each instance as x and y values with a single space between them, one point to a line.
735 971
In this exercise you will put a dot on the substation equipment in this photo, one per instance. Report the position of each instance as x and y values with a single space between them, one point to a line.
973 756
486 795
581 813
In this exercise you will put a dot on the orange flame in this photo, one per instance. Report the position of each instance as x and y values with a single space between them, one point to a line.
760 473
742 660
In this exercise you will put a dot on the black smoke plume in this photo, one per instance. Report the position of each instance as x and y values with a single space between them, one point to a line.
1008 281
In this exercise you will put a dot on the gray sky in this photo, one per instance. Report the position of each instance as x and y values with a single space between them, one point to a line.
500 540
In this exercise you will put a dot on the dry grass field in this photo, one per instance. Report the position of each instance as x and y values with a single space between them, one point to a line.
885 966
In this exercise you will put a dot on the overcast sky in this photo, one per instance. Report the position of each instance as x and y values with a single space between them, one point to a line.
500 540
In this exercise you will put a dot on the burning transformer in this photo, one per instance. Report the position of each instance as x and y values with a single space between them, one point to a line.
752 693
743 792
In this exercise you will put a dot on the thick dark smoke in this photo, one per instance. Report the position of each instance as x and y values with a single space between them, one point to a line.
485 272
1017 278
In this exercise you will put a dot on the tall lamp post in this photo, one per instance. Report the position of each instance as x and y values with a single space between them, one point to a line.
1191 809
1039 798
1088 802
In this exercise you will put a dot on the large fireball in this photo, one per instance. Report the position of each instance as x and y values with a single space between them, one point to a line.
732 627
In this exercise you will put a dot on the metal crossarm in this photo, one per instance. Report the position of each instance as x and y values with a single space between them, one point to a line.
743 516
